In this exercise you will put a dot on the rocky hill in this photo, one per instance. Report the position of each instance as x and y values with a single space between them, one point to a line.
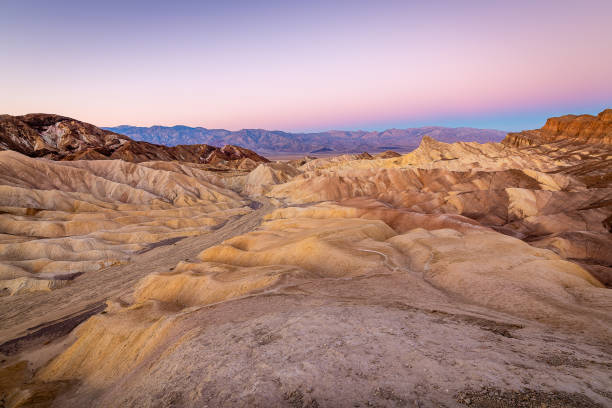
460 274
333 141
575 128
61 138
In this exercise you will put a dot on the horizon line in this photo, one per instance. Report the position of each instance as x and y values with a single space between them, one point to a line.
307 132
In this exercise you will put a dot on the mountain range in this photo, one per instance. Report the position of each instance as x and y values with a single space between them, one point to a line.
333 141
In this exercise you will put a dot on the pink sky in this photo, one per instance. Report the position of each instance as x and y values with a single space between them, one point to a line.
307 66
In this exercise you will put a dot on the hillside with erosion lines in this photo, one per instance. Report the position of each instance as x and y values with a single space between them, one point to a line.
60 138
458 274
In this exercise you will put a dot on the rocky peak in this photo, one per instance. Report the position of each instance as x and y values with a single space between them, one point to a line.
574 128
61 138
605 115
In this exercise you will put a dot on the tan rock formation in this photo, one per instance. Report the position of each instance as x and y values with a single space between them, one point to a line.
344 281
59 219
323 259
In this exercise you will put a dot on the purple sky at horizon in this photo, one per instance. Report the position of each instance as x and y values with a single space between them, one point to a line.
307 66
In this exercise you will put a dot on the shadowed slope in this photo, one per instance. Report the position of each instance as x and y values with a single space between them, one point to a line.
59 219
61 138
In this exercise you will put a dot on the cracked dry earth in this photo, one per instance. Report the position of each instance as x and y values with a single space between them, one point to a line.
451 276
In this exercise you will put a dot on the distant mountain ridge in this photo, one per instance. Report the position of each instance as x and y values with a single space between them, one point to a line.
276 141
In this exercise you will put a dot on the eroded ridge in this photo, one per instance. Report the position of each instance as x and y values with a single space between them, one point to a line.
456 274
61 219
302 280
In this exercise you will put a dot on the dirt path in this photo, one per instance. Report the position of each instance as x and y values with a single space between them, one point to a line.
23 315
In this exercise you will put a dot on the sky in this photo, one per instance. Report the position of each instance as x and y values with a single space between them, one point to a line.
307 65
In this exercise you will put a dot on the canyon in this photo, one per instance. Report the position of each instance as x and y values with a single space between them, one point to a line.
457 274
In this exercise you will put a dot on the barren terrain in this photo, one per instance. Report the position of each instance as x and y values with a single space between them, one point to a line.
459 274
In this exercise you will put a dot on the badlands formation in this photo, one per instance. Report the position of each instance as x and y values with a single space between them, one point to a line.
61 138
459 274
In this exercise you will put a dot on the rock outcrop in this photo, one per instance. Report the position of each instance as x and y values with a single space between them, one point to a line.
60 138
570 128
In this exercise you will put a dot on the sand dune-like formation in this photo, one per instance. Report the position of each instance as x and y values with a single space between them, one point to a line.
64 218
532 194
259 181
455 273
291 257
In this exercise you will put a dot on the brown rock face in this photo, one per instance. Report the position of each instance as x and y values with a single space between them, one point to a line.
54 136
576 128
387 155
60 138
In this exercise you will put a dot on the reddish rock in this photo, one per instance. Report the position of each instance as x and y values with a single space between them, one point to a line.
579 128
60 138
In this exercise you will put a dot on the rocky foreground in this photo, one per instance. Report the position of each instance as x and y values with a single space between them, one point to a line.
459 274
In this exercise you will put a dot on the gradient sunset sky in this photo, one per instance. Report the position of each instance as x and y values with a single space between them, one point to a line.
307 65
